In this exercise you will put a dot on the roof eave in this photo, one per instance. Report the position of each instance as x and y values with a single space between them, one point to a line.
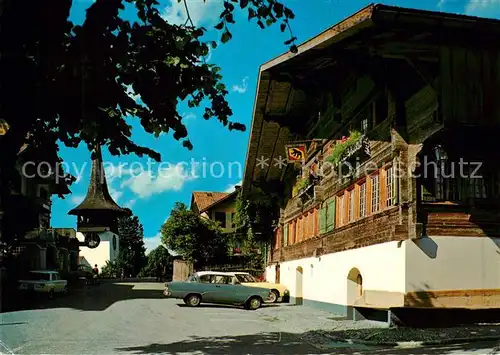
225 198
339 31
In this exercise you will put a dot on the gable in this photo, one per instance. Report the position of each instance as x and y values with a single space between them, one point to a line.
201 199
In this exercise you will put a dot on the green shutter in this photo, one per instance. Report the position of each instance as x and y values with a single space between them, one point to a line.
285 237
322 220
330 219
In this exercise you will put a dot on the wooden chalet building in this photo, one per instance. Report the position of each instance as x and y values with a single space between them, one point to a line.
403 96
217 206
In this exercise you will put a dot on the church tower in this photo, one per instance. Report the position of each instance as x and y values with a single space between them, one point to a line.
98 213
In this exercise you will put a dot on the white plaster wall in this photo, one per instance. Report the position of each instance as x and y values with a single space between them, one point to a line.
453 263
98 255
324 279
270 274
103 252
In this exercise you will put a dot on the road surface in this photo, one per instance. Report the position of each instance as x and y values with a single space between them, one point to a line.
134 318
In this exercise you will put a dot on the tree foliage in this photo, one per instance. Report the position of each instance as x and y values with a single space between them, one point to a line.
197 239
73 83
257 212
67 82
158 259
110 270
132 252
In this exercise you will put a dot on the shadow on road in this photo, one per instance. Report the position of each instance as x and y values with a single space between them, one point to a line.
94 297
87 298
264 343
285 343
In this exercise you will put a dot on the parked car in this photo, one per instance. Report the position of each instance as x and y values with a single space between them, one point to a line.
44 281
222 288
278 290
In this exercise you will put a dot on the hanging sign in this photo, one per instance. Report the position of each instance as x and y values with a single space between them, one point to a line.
295 153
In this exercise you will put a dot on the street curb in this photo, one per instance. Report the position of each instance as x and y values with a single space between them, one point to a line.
416 343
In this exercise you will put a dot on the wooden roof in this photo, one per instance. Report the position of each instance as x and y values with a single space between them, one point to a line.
204 199
98 198
376 30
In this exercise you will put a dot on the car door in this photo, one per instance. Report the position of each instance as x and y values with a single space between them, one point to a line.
58 282
230 290
224 291
207 288
53 282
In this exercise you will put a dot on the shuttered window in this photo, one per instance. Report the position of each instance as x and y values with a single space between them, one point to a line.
322 220
341 210
389 187
395 186
362 200
350 212
330 217
285 236
375 193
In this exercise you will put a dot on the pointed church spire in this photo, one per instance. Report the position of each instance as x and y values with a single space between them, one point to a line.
98 199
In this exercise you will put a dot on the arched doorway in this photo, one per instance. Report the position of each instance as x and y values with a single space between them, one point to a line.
354 291
354 286
299 298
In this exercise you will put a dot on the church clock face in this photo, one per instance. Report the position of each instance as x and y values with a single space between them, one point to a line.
92 240
114 242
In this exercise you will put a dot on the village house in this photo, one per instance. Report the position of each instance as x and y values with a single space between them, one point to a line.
396 204
221 207
26 213
217 206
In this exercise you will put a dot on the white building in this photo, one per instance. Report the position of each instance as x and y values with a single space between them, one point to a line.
402 228
107 250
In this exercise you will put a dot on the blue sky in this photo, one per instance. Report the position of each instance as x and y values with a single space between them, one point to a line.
151 196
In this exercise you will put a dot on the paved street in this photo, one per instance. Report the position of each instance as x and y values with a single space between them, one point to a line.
134 318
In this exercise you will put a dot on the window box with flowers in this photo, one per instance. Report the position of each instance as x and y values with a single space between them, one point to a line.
300 186
237 251
349 148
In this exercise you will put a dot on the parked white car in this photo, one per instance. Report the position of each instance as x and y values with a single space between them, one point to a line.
44 281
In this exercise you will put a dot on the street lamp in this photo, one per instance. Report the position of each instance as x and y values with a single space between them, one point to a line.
440 153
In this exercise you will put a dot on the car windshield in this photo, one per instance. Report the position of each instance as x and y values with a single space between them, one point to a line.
245 278
35 276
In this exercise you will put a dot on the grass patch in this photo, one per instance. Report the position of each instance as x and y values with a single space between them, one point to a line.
416 334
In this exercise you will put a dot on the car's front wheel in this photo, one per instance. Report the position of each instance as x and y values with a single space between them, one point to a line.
192 300
274 296
253 303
